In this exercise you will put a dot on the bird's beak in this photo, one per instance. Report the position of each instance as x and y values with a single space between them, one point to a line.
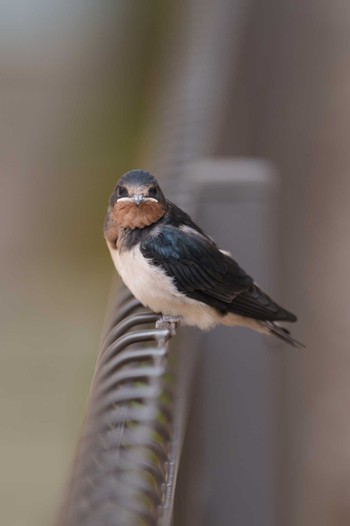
138 199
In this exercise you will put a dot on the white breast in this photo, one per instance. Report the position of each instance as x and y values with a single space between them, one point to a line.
149 284
154 289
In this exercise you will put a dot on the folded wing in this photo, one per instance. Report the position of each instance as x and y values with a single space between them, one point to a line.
200 271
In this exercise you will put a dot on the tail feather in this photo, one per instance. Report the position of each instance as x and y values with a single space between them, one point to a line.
281 333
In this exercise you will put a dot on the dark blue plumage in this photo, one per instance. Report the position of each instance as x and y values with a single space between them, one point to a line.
204 273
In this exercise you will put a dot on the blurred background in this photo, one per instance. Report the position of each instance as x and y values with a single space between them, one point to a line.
80 83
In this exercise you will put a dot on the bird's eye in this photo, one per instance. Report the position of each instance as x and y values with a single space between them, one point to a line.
122 191
153 191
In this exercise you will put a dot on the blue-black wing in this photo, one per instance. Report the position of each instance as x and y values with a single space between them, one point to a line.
202 272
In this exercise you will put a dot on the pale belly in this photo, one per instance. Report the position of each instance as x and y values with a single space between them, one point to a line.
154 289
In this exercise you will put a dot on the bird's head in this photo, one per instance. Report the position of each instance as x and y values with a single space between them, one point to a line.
137 200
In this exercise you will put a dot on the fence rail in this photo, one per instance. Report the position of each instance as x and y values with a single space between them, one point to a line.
127 461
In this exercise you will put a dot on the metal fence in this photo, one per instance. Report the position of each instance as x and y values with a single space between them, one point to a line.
125 459
126 466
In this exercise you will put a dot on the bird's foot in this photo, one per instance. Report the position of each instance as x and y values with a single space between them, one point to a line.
169 322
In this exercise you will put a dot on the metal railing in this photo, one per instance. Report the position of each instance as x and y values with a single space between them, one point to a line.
127 461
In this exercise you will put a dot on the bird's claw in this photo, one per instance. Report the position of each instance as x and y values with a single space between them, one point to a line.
169 322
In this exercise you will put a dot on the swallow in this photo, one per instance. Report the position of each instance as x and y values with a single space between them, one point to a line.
175 269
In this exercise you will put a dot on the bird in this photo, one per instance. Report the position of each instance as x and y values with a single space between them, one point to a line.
175 269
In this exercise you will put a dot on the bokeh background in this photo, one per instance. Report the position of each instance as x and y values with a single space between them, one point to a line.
79 82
